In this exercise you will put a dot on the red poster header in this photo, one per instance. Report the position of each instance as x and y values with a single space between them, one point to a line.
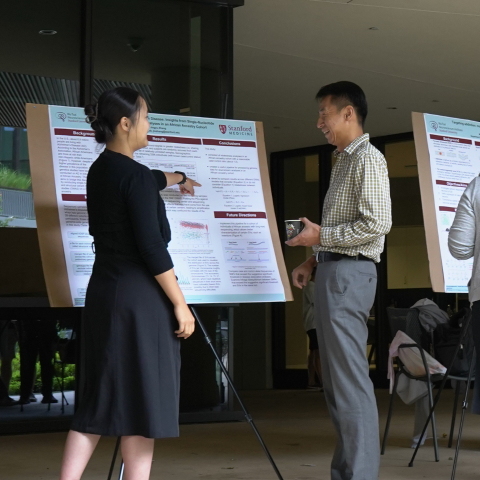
447 209
70 197
477 144
164 139
240 215
228 143
452 184
74 132
450 139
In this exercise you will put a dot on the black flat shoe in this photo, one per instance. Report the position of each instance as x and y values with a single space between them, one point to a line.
8 402
32 398
52 399
24 401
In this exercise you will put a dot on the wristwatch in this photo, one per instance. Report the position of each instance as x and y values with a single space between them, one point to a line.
184 179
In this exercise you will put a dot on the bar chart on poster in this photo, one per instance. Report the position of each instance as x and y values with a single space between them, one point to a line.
448 155
225 245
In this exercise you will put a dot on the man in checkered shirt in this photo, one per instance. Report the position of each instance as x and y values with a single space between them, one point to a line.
356 217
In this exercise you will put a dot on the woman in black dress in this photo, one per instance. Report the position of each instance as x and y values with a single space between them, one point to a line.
135 312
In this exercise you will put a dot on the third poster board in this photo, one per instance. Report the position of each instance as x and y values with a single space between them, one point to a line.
448 155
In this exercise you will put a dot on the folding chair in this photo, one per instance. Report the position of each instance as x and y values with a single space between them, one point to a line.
399 319
406 320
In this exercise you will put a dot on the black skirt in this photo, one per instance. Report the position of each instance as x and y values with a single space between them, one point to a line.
131 353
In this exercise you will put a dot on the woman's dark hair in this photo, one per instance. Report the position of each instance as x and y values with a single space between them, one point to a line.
346 93
112 106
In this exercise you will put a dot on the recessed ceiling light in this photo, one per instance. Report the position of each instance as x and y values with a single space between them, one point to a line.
373 28
391 108
47 32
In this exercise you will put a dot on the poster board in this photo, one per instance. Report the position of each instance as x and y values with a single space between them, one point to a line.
448 156
225 244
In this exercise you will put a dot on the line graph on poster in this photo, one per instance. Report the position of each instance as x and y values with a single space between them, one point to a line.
244 251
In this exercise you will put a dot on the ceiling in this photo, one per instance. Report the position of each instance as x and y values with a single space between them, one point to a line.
423 57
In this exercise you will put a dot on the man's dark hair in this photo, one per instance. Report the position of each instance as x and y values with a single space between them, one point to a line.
346 93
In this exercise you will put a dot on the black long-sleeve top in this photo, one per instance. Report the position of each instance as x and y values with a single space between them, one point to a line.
126 212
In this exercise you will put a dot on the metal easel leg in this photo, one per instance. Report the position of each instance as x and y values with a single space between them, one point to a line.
234 390
464 411
390 412
454 413
112 465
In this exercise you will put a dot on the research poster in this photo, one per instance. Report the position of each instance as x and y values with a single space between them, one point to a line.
454 160
222 245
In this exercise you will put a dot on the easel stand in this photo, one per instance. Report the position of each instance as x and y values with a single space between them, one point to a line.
439 393
230 382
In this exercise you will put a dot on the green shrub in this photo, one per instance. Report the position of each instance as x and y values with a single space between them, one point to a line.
11 179
4 223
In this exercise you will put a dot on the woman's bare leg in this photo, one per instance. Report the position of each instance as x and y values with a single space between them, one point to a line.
78 450
137 453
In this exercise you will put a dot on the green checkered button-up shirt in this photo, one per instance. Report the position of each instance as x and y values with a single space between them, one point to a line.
357 212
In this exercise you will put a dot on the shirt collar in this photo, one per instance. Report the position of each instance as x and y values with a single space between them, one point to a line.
353 146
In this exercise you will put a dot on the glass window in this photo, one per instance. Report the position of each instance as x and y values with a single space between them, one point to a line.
407 257
301 187
33 38
170 51
38 68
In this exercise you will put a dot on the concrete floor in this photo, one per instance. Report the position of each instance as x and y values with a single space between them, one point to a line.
296 428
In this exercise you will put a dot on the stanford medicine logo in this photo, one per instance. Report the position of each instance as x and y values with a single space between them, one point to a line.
223 129
434 125
61 116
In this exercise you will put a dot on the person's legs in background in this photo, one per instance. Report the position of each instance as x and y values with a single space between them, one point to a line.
314 367
28 343
47 336
422 410
317 365
8 341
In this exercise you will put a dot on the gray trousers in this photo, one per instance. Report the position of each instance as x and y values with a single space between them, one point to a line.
344 295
